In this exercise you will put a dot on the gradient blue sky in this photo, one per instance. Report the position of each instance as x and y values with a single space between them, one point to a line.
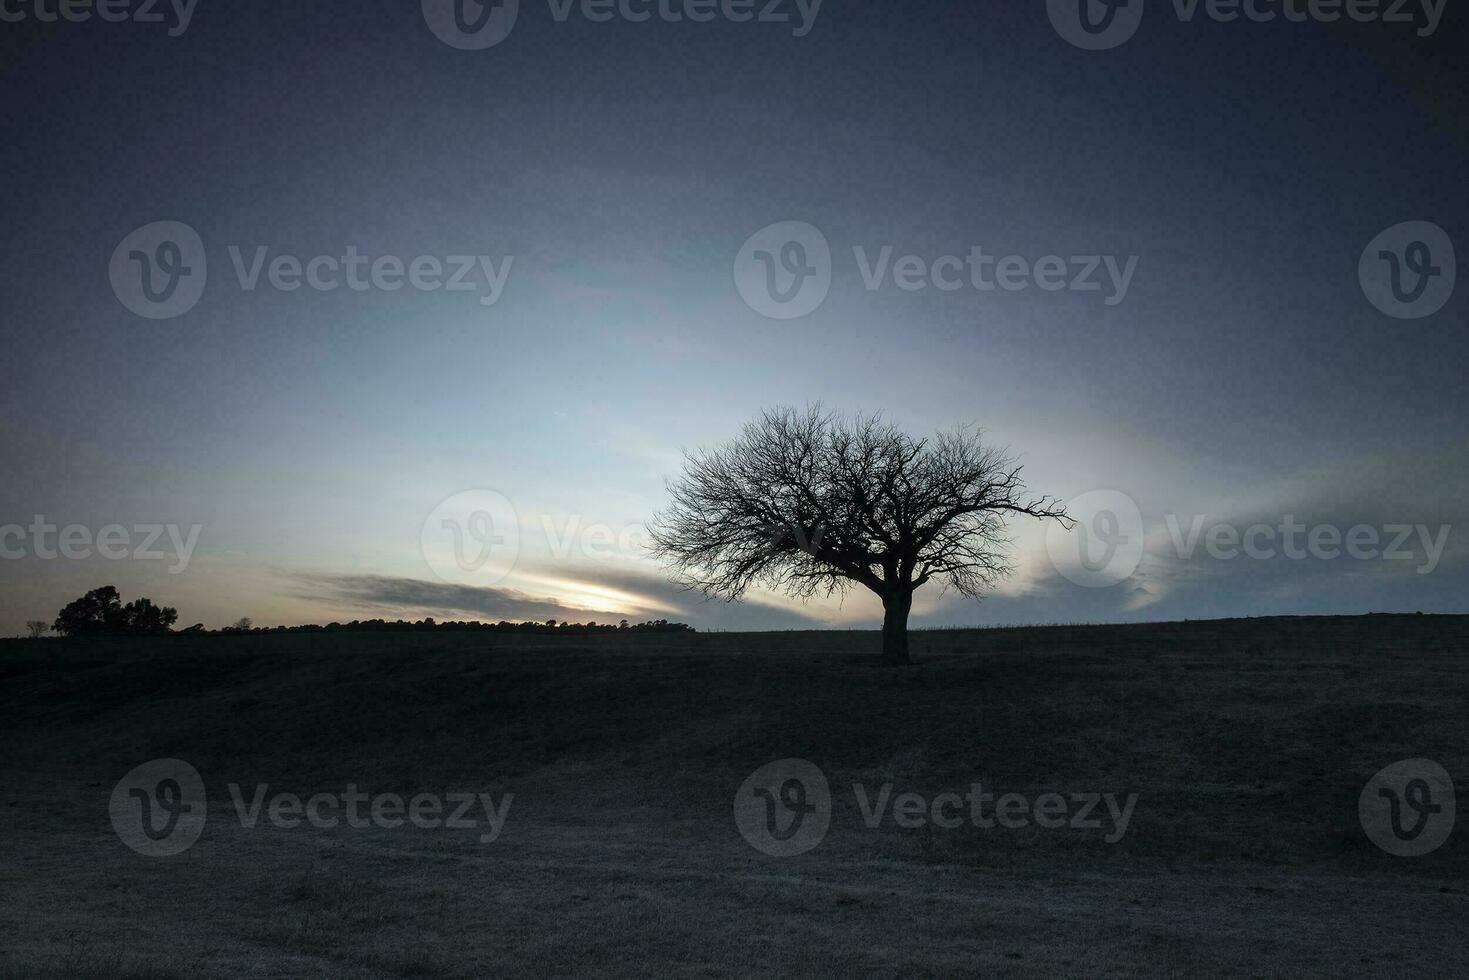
1244 377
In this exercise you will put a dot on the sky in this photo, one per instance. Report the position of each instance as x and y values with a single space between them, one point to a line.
657 228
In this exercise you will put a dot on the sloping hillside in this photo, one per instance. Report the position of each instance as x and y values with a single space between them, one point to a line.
1245 742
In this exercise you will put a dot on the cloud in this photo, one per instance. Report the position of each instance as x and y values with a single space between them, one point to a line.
1202 586
392 596
379 593
1181 576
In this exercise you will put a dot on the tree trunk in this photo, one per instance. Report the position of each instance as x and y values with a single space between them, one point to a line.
895 609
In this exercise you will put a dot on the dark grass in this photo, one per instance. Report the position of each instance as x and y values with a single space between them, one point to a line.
1247 742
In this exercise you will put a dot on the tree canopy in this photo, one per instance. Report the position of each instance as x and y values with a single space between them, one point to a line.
807 501
102 611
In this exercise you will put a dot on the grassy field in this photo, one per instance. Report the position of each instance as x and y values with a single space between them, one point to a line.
1247 743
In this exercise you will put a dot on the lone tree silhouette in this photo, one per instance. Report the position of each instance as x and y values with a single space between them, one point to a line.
810 501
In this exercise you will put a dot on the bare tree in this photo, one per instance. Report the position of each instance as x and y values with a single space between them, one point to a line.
807 502
37 628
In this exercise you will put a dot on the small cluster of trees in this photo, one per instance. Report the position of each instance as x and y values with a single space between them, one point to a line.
102 611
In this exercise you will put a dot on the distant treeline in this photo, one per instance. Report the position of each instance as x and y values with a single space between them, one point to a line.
101 612
430 625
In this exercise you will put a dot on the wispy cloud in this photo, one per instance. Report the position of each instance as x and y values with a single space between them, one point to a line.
400 596
391 596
